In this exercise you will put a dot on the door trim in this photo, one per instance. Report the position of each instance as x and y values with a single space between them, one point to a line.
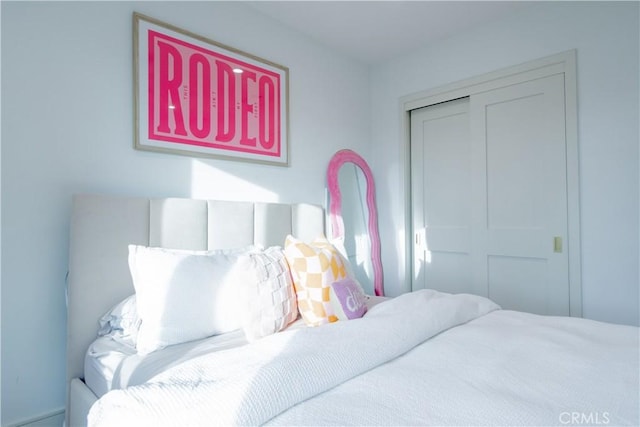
561 63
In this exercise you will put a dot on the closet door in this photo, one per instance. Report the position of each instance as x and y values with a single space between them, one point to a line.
441 196
517 199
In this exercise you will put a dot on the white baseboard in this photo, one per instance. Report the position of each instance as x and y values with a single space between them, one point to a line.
51 419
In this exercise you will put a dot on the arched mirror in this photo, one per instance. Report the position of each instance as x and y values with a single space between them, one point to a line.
354 218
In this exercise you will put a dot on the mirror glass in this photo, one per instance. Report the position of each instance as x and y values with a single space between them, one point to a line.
353 217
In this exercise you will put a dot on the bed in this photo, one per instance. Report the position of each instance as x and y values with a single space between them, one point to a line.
422 358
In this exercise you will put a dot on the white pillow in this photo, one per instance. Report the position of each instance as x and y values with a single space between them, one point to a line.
121 323
187 295
271 299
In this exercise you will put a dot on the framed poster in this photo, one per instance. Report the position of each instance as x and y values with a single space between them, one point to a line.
197 97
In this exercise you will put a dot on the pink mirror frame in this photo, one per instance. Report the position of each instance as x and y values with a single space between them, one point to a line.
335 209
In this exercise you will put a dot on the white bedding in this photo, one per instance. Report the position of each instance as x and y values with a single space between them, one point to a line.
111 365
405 362
506 368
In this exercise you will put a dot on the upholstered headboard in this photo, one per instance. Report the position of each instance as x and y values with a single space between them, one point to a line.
103 226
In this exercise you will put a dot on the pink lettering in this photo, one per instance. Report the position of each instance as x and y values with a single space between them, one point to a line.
247 108
200 112
226 101
267 112
169 88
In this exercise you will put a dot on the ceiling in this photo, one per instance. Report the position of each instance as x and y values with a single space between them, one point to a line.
377 31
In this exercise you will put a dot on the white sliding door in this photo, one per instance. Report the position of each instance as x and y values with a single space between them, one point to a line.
441 194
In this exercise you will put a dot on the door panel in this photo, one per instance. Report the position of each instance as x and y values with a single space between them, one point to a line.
449 271
519 153
504 271
513 135
441 156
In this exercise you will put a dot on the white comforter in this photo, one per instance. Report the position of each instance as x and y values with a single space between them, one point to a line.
396 367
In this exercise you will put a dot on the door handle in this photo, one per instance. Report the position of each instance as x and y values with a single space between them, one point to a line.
557 244
421 239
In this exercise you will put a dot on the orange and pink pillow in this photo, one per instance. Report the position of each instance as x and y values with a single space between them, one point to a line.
314 267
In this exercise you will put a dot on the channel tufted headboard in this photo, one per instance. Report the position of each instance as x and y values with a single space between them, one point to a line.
103 226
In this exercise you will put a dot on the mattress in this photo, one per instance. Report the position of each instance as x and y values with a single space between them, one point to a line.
111 365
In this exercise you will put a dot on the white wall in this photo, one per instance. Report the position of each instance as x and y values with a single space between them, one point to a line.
605 35
0 222
68 127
